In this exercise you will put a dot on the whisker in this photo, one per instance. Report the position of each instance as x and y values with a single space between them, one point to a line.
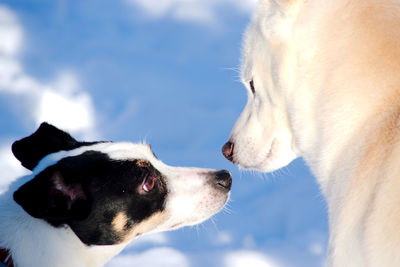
213 220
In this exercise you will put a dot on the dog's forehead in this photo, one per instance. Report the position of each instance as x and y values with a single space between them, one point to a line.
124 150
114 150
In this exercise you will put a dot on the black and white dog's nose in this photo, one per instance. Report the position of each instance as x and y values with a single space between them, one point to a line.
223 180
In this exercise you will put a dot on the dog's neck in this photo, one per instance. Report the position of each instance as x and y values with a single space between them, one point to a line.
350 95
34 242
344 110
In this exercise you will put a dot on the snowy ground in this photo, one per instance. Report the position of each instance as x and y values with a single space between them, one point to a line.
164 72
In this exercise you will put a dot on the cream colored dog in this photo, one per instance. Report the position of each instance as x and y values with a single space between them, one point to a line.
323 80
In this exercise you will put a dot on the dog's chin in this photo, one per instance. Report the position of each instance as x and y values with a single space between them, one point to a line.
185 212
210 208
274 159
204 217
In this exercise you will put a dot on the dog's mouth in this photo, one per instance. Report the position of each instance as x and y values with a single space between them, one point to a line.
196 196
268 157
259 165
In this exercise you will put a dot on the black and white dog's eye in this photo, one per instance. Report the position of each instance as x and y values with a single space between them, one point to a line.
253 90
149 183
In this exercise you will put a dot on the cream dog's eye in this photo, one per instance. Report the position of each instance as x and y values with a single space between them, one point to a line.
253 90
149 183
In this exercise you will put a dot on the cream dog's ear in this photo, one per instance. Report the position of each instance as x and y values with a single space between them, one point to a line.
284 6
286 2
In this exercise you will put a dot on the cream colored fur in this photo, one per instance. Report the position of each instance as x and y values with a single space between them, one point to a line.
327 87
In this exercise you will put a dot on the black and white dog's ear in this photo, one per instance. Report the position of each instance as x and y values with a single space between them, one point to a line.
57 194
47 139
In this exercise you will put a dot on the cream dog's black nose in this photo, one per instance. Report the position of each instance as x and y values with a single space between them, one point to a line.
227 150
223 179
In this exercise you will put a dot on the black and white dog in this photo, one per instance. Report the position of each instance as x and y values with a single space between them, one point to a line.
84 201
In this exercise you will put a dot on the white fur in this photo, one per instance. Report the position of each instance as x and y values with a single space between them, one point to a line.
33 242
326 76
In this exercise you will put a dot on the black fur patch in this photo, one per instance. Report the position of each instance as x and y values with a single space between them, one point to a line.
87 191
46 140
